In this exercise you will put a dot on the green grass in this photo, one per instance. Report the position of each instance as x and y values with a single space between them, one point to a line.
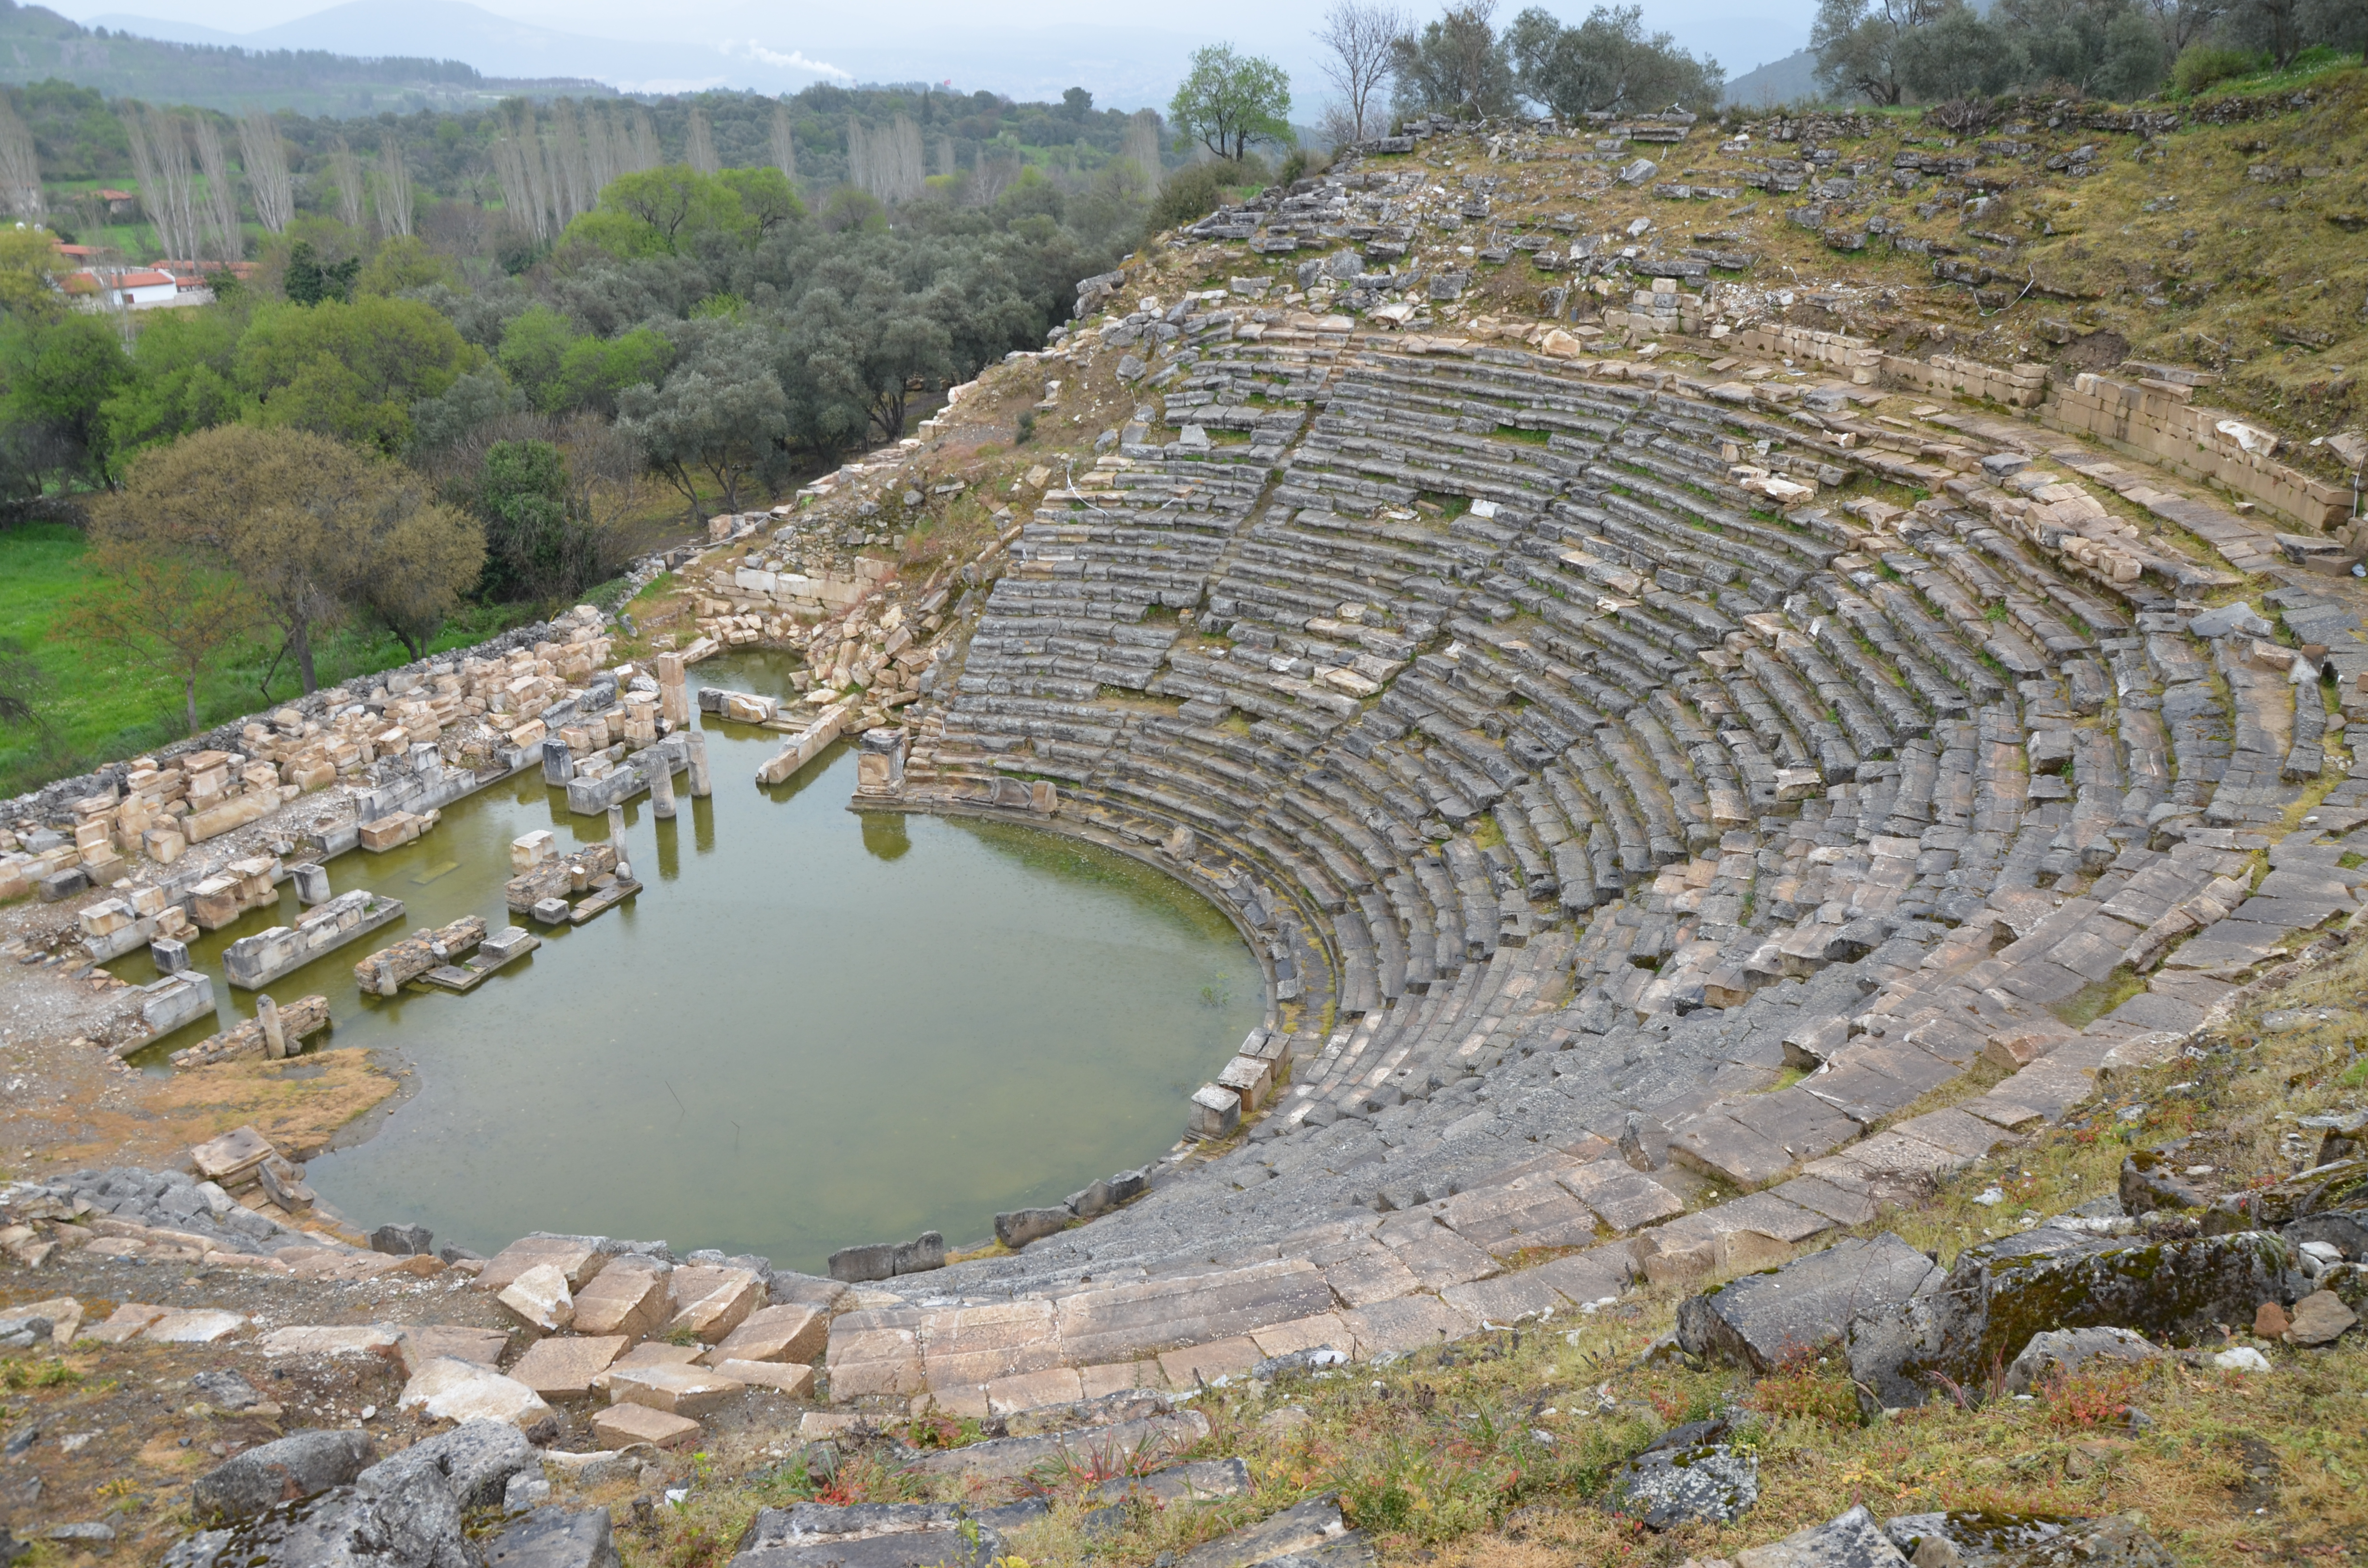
97 702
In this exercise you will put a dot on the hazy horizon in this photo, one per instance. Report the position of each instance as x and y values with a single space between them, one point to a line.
1029 51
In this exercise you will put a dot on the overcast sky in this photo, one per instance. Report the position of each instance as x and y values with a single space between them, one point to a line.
1127 58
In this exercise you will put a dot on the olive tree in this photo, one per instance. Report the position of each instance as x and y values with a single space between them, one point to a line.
1229 100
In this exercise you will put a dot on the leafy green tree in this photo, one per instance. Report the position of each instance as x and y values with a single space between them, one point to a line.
57 373
163 594
352 370
1456 65
308 282
1858 44
1959 55
533 345
1606 62
594 369
314 528
719 414
768 200
183 379
664 212
1229 100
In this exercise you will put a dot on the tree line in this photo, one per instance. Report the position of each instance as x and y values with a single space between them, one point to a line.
1892 51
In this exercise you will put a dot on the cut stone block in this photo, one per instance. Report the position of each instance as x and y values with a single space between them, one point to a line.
1052 1387
1373 1274
195 1326
540 1297
1507 1298
1410 1323
565 1366
446 1390
622 1426
1626 1199
771 1333
790 1378
123 1323
578 1262
422 1343
968 1346
1229 1357
1123 1322
1761 1320
367 1339
629 1297
710 1302
1438 1258
681 1390
1304 1334
1117 1377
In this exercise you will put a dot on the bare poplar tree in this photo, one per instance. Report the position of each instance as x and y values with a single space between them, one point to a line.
599 150
221 204
260 149
393 189
785 142
646 142
1144 137
1361 36
701 150
571 172
159 162
346 173
859 156
908 167
20 168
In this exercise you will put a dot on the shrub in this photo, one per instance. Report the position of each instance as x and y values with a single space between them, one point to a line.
1027 430
2202 66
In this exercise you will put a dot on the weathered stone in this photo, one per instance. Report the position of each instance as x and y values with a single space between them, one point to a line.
565 1366
2343 1185
1686 1476
282 1470
790 1378
364 1339
873 1535
199 1325
2066 1350
621 1426
1763 1319
2148 1183
422 1343
555 1537
678 1390
1851 1540
629 1297
1979 1539
1290 1536
576 1260
540 1299
403 1241
710 1302
1018 1228
885 1260
2001 1293
775 1334
2320 1318
449 1390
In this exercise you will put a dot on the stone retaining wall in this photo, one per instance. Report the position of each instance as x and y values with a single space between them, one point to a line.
2157 421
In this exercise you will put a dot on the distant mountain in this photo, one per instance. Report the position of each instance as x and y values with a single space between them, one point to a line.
1784 81
37 44
500 47
1124 66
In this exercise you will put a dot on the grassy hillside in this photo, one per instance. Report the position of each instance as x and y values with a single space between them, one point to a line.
2081 235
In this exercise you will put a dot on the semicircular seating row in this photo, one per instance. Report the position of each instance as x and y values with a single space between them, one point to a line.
1560 786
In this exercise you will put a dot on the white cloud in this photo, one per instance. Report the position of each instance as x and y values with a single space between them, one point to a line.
792 60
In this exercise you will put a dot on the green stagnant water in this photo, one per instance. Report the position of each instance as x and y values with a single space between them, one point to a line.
810 1028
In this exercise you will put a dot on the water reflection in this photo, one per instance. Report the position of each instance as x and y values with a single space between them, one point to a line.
885 836
778 1045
